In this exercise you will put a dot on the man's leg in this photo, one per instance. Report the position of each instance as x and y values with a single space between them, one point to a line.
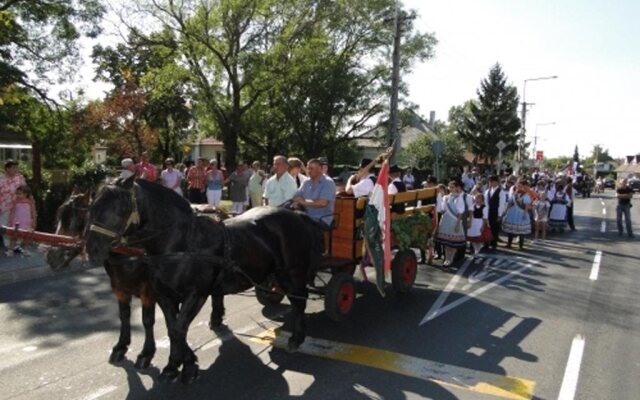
4 221
570 217
627 220
619 212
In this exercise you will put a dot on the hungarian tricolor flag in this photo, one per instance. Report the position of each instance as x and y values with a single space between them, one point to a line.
377 228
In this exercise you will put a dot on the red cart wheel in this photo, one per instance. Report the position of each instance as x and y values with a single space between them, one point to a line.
404 268
339 297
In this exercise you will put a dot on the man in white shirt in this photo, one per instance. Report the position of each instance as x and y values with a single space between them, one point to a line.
281 186
361 183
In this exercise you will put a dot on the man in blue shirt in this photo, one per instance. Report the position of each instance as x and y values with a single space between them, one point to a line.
317 194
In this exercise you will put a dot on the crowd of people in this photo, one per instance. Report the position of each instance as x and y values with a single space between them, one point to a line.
473 208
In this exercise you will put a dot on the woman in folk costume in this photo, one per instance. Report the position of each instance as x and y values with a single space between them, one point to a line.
477 233
558 212
517 221
450 232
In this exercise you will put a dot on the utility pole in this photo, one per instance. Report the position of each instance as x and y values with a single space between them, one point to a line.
392 136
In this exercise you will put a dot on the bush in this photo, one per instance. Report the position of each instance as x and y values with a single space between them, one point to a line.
88 176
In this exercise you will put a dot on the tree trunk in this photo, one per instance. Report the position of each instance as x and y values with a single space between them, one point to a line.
36 164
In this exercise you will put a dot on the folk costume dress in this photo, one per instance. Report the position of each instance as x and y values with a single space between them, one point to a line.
558 211
480 213
517 220
447 234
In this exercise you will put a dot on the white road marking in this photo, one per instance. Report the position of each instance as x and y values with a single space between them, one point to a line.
437 309
604 211
100 392
603 226
433 311
595 268
602 202
572 372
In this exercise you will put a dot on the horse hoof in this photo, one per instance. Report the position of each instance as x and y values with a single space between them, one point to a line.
117 355
143 361
189 374
218 327
293 346
168 375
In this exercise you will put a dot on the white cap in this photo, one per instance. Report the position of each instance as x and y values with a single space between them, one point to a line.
126 162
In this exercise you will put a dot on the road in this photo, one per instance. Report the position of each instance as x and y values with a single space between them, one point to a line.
555 320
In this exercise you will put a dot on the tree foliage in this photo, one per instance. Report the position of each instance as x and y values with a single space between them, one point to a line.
492 118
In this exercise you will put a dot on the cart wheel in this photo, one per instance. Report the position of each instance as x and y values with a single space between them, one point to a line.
271 297
339 297
403 271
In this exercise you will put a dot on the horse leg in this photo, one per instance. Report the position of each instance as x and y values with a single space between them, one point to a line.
148 320
170 310
124 307
298 299
188 311
217 312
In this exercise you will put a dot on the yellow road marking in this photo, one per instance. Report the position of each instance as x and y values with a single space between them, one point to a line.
476 381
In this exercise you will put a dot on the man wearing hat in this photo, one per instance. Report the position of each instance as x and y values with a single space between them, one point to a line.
396 186
361 183
9 182
128 168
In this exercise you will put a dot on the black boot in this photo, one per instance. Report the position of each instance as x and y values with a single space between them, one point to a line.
521 242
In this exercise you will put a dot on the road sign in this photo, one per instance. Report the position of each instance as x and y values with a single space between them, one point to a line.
438 147
539 155
501 145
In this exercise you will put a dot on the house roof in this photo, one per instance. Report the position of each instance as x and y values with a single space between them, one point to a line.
13 138
210 142
417 127
635 168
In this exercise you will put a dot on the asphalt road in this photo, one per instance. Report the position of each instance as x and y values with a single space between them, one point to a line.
537 323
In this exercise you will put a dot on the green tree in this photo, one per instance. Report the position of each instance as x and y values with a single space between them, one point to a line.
38 41
493 117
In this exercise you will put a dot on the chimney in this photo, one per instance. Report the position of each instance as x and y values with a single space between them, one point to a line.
637 159
630 159
432 118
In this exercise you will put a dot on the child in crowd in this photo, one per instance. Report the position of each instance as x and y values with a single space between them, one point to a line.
22 216
479 223
541 208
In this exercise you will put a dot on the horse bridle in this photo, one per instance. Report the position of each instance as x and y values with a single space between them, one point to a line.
118 236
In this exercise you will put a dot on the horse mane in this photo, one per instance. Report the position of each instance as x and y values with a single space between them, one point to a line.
165 195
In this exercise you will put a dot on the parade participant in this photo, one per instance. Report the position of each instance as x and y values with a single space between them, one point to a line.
146 170
317 194
396 185
296 170
171 177
214 184
571 194
558 211
440 193
495 199
478 232
22 216
281 187
624 194
128 168
361 183
450 233
517 221
9 182
409 180
238 182
197 180
541 216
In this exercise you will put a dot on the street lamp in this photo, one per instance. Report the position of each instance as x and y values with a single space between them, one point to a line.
535 137
523 132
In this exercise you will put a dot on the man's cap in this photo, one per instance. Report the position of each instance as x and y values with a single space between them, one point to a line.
323 160
364 162
126 162
213 161
394 169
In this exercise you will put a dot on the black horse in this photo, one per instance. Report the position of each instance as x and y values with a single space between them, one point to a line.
191 257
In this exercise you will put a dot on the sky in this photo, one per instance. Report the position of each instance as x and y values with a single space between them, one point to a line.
592 46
